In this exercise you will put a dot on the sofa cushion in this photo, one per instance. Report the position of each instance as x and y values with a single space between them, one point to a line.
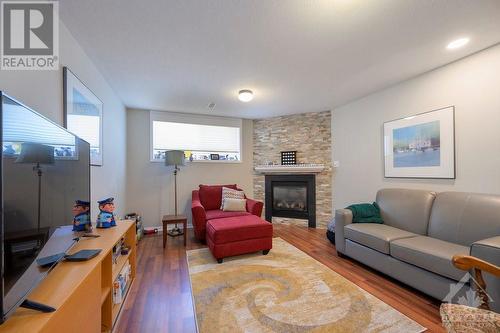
429 253
406 209
233 229
375 236
218 214
465 218
211 195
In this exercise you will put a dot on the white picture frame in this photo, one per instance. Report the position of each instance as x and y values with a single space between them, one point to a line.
83 114
421 146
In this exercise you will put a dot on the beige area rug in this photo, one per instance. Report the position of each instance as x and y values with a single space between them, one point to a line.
285 291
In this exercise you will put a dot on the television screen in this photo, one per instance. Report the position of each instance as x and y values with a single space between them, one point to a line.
44 170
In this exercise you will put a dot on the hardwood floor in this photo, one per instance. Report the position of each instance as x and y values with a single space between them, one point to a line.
160 299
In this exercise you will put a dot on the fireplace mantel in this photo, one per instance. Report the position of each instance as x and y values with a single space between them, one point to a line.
285 169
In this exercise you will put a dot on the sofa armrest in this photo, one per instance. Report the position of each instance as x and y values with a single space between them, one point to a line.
254 207
489 250
343 217
199 216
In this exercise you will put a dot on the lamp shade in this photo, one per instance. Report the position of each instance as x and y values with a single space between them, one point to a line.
36 153
175 157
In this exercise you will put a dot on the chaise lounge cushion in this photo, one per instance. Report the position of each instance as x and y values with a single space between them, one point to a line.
211 195
218 214
429 253
233 229
375 236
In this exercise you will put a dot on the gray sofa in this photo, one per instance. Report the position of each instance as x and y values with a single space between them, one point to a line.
422 231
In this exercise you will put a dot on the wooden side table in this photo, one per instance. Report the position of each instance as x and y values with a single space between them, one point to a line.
174 219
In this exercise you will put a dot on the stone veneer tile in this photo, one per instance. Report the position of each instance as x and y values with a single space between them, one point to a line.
310 135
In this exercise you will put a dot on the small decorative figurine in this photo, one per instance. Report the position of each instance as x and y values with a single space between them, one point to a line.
81 216
106 218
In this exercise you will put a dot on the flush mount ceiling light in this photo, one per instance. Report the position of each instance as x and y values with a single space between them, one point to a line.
245 95
458 43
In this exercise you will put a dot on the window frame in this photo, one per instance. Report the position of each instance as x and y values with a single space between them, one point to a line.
196 119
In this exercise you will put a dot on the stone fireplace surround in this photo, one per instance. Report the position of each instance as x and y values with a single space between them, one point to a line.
310 135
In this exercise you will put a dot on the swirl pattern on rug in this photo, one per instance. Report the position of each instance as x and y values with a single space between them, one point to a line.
285 291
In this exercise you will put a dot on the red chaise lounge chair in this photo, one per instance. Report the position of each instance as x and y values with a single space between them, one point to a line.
229 233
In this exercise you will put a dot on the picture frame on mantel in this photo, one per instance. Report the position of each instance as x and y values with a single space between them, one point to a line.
83 114
421 146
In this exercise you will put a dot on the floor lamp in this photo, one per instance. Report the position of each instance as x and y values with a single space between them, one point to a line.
36 153
175 158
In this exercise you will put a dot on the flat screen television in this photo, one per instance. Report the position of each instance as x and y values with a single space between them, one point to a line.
43 170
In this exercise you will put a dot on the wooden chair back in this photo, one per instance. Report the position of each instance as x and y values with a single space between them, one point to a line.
477 266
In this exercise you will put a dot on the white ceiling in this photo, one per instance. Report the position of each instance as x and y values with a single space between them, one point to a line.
296 55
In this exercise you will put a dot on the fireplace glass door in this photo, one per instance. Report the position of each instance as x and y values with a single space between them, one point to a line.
290 197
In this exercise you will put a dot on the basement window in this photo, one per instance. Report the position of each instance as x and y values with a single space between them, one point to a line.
202 138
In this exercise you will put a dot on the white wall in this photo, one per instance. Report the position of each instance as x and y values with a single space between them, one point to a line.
150 187
42 91
471 84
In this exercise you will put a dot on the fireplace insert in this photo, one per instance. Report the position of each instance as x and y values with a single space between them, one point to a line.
291 196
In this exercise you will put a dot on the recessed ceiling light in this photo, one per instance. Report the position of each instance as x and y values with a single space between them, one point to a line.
245 95
457 43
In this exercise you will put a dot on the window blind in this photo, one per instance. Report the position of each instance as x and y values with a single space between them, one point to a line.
195 137
22 125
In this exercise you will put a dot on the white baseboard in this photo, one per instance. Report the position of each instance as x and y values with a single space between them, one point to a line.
170 227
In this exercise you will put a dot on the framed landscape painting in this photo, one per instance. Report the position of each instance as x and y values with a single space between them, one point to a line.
83 114
421 146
